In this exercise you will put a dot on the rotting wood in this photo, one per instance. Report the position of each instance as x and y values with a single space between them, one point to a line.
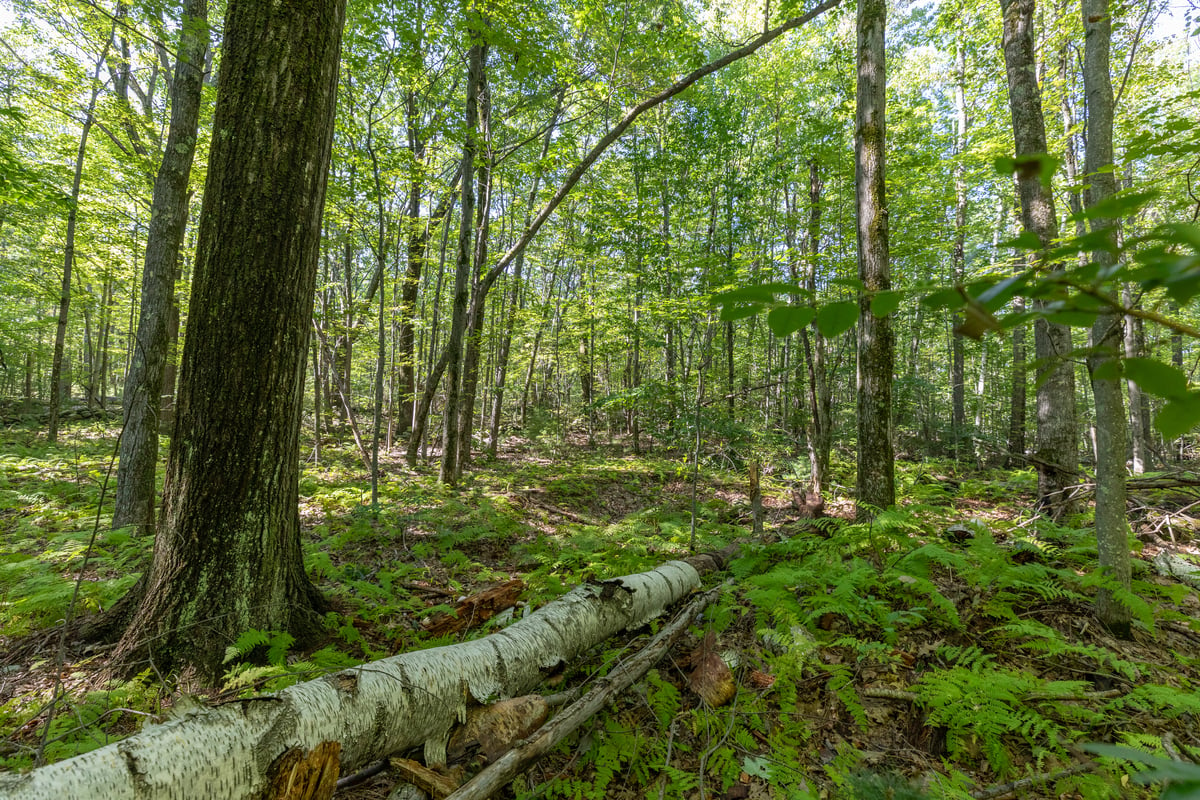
297 775
432 783
477 609
512 763
373 710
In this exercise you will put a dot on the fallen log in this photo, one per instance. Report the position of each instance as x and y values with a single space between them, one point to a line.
414 699
508 766
477 609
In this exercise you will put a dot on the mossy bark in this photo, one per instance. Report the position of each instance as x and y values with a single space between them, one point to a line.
1057 432
227 557
876 487
142 398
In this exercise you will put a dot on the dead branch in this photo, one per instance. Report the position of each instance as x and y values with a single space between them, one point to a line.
512 763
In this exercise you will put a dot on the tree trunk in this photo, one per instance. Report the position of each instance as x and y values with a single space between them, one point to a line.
820 399
227 557
413 699
1057 437
958 416
506 339
477 313
1112 529
1139 403
876 466
141 401
458 318
1016 415
64 299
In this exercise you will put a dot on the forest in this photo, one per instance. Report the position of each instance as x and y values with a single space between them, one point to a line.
657 399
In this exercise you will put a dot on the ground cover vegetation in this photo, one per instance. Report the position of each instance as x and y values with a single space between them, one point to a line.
946 646
331 330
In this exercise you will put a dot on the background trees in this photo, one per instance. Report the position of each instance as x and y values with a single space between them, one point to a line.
602 327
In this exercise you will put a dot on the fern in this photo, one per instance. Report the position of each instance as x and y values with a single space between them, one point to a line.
1155 698
662 697
987 706
1038 637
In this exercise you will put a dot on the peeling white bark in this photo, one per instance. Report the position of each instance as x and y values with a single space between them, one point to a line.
375 709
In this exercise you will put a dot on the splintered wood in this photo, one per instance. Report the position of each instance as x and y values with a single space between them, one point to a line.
297 775
477 609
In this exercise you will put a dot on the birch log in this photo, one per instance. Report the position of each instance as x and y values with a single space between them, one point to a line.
409 700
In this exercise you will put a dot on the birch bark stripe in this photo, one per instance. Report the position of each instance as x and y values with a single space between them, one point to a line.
375 709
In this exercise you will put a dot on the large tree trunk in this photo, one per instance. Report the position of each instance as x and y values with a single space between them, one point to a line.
1057 439
876 487
227 557
406 701
134 500
1112 529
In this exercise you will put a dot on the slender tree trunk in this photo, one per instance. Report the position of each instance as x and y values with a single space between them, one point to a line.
1112 529
64 299
876 466
506 340
228 557
820 394
458 320
316 362
957 376
1139 406
1016 414
1057 436
477 313
141 402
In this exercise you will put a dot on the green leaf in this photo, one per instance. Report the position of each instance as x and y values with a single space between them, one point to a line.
837 318
786 320
1028 240
944 298
1075 319
731 312
886 302
1156 377
1179 416
996 296
762 293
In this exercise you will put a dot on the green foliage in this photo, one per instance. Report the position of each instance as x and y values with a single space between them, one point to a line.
1182 778
986 706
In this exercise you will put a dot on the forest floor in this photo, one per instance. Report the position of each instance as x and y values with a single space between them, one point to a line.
948 649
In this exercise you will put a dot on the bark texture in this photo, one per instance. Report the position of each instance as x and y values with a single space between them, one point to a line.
1057 440
876 344
1112 530
227 556
375 709
142 398
450 470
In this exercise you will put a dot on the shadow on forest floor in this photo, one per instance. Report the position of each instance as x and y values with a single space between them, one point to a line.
945 648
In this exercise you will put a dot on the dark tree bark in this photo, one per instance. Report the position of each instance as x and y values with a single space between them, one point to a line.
134 499
1112 529
227 556
876 487
1057 439
820 398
